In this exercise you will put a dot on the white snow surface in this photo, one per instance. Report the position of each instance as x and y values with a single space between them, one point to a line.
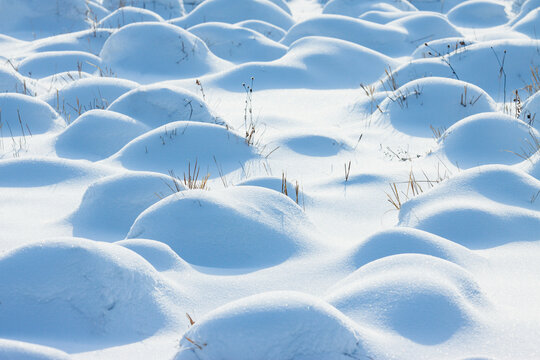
269 179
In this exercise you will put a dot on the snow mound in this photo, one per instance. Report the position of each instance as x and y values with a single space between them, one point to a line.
75 292
167 9
313 62
233 11
146 52
488 138
442 6
528 6
422 298
18 350
382 17
237 44
156 105
97 134
276 184
403 240
48 63
441 47
178 145
128 15
28 19
426 26
478 14
432 103
160 255
86 94
33 172
110 205
482 207
239 227
273 326
11 81
26 115
529 24
384 39
518 55
270 31
355 8
90 41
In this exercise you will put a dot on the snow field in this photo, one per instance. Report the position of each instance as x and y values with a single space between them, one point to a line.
269 179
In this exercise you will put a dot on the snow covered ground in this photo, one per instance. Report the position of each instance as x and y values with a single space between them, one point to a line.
269 179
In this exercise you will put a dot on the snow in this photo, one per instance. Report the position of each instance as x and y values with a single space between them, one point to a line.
128 15
281 325
159 50
269 179
279 225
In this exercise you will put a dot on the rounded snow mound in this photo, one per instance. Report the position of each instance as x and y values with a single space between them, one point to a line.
442 6
313 62
160 255
403 240
355 9
97 134
237 44
441 47
33 172
156 105
49 63
167 9
128 15
517 55
432 104
277 184
273 326
488 138
239 227
426 26
18 350
384 39
146 52
382 17
180 146
233 11
26 115
525 8
478 14
482 207
86 94
80 292
11 81
422 298
110 205
28 19
270 31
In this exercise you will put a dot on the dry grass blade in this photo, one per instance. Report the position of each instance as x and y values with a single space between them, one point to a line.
347 171
191 321
193 342
191 179
394 197
284 184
